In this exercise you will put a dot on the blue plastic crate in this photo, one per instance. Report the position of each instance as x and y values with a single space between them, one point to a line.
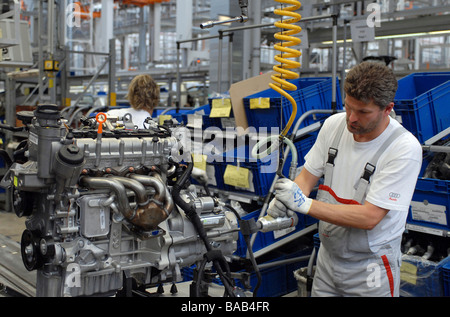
209 122
157 112
422 102
430 204
263 176
188 273
219 171
312 93
446 278
274 281
316 241
214 122
182 115
423 278
263 170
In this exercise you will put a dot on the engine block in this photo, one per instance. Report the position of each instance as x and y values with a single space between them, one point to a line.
101 210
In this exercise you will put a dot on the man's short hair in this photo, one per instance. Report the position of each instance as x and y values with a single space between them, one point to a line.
371 81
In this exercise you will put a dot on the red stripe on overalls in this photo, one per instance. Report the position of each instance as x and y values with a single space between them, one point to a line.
338 199
387 266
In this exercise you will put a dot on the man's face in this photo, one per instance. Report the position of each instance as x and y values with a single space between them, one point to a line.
364 120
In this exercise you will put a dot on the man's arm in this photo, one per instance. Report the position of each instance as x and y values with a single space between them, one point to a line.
365 216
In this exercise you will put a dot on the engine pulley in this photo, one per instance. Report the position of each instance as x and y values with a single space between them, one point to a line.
29 247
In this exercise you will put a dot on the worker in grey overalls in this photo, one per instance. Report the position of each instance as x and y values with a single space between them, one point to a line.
369 164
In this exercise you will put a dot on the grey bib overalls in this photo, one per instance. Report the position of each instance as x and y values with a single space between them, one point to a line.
346 265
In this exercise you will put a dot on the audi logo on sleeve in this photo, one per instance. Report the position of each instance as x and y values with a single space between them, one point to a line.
394 196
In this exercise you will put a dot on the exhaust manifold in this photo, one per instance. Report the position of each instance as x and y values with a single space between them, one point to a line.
149 212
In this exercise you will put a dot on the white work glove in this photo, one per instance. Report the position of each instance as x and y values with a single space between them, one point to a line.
278 209
288 192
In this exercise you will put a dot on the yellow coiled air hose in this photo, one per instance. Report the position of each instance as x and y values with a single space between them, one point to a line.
287 38
284 72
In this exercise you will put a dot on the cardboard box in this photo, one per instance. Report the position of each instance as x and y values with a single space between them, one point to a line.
243 89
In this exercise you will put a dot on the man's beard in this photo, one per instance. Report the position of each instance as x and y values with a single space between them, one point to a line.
357 129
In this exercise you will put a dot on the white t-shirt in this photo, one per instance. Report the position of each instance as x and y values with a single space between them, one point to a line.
137 116
391 186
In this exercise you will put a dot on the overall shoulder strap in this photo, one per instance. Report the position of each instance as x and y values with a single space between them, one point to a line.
369 169
332 153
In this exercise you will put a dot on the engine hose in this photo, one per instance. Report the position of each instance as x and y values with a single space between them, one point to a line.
176 189
284 72
191 213
250 251
254 264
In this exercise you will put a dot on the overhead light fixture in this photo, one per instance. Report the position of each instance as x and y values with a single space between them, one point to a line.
338 41
395 36
439 32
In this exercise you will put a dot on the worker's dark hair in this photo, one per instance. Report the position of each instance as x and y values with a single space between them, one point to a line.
143 93
371 81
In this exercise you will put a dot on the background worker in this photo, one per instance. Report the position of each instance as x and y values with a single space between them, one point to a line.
143 95
362 207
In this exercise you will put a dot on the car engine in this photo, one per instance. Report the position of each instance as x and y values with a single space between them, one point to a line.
109 207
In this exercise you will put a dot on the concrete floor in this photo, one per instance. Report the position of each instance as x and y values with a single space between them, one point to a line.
11 226
12 271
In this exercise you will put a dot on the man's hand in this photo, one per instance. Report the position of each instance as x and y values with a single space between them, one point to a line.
278 209
288 192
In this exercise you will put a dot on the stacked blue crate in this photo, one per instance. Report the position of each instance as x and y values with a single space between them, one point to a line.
446 278
182 115
208 121
262 170
312 93
423 278
422 103
430 204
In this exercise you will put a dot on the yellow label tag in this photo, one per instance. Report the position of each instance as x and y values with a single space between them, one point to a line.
15 181
48 65
199 161
221 108
163 118
408 273
260 103
236 176
113 99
